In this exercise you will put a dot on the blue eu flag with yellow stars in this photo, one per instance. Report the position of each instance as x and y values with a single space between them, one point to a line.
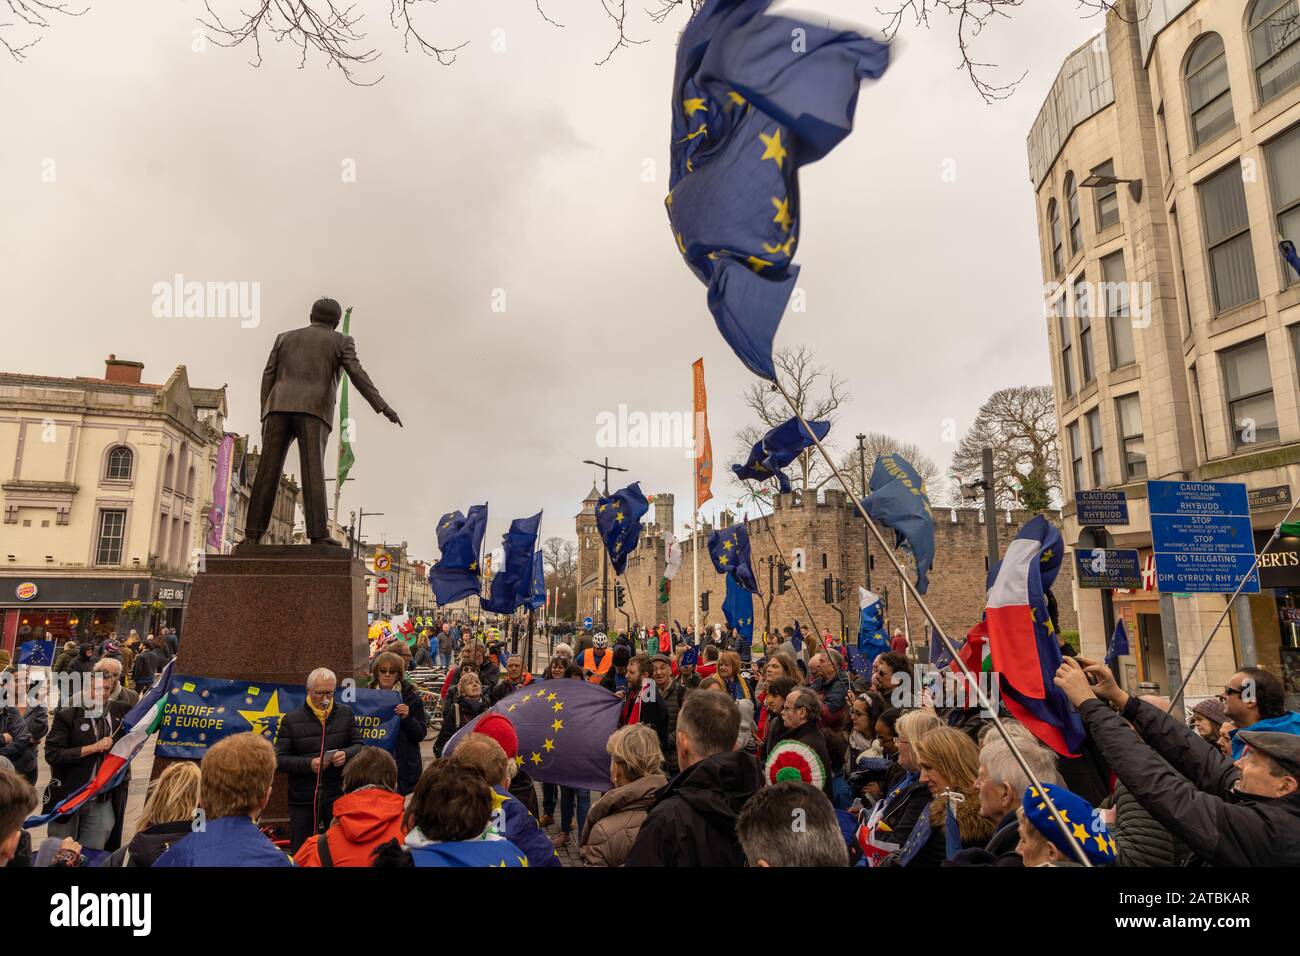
538 591
729 549
754 98
778 449
898 500
738 609
618 519
512 585
460 537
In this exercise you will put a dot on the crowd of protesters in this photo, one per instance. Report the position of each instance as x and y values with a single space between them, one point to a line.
712 758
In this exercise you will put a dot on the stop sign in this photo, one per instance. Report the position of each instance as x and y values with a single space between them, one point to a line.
382 586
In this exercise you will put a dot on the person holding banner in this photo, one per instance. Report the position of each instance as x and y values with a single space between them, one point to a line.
313 744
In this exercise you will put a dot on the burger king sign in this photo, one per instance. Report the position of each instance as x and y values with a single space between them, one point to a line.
26 591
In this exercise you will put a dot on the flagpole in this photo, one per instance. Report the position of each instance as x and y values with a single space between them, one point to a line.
1277 533
970 678
695 572
812 621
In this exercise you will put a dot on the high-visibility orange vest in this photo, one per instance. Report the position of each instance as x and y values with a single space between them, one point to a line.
589 663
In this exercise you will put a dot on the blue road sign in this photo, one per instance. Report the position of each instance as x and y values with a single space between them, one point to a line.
587 622
1100 507
1107 568
1201 535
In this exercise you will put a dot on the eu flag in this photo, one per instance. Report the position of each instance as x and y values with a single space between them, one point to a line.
738 609
754 98
1118 645
456 575
779 448
871 638
36 653
512 585
538 589
729 549
563 726
898 500
618 519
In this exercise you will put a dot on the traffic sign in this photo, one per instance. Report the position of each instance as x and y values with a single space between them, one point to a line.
1100 507
382 561
587 623
1201 535
382 585
1107 568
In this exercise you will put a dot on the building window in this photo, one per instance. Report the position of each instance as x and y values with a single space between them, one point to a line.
1076 456
1107 198
1274 30
1083 310
1133 449
1227 239
1250 394
1283 158
1054 226
1295 343
119 464
1072 209
1098 458
1209 101
1067 352
1119 327
112 529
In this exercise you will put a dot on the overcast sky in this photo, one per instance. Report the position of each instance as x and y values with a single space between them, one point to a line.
520 170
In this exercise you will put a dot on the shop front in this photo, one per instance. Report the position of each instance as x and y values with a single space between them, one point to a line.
71 609
1275 612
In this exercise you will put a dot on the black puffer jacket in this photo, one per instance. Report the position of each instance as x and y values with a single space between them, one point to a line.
1193 794
693 820
413 728
147 845
301 738
1139 839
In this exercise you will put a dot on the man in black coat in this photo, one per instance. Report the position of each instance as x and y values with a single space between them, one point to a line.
312 745
1229 814
801 716
693 820
298 388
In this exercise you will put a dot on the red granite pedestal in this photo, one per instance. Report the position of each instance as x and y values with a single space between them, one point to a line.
273 615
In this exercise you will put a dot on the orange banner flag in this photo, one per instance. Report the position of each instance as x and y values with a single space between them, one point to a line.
703 447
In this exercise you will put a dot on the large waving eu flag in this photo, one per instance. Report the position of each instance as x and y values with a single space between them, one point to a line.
563 726
754 98
898 501
512 585
738 609
778 449
729 549
618 519
457 573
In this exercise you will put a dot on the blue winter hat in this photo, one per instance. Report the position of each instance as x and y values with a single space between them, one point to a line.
1090 831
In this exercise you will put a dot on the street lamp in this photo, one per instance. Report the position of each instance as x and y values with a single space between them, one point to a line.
1095 180
604 554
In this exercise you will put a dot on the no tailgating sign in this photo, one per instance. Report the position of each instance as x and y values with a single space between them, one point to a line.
1201 535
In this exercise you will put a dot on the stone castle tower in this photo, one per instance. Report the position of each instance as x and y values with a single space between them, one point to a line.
589 549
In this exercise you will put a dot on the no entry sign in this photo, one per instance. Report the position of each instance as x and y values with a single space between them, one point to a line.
382 586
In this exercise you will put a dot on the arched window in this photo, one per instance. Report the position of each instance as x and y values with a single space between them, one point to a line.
1209 101
167 471
1072 209
189 483
1274 32
120 461
1054 225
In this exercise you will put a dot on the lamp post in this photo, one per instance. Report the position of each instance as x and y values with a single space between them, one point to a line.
604 552
866 532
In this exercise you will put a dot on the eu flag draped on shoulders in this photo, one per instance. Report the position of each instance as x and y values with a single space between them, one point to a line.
729 549
754 98
457 573
512 585
489 850
738 609
779 448
1022 641
618 519
871 637
897 499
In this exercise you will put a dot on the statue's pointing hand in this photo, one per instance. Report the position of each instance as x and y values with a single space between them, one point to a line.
391 415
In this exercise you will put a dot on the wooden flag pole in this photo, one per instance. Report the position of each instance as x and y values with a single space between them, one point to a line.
970 678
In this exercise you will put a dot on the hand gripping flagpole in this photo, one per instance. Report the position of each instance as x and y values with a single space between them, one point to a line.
1277 533
947 642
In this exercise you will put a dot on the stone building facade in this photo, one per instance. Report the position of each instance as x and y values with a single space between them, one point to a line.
824 536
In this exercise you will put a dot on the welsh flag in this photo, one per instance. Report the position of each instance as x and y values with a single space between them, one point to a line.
140 723
975 652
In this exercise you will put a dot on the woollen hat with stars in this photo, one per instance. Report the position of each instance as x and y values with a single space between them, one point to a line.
1089 829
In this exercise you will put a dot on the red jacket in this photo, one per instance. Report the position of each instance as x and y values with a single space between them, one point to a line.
363 820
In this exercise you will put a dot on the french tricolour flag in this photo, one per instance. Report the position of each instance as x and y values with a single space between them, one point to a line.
1022 643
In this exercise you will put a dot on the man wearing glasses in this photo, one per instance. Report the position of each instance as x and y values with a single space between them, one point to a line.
312 745
1255 700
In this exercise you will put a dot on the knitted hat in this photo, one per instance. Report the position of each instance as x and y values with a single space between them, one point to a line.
1088 830
1211 709
500 729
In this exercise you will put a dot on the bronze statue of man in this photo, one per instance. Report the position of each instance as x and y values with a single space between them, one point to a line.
298 388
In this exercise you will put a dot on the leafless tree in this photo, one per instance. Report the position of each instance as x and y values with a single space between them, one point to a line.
560 558
817 393
878 443
1019 424
30 17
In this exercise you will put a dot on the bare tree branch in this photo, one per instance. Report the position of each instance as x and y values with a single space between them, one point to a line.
538 4
972 17
30 13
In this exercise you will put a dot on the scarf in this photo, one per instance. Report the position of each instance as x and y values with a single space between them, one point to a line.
322 714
